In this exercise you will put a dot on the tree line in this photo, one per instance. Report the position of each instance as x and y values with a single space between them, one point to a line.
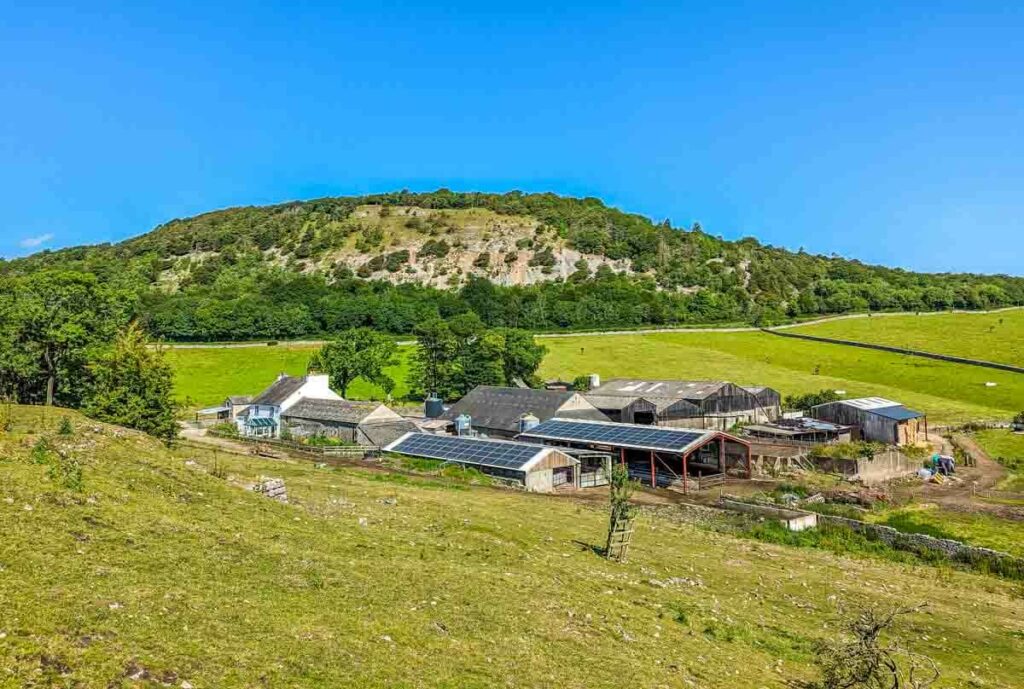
265 273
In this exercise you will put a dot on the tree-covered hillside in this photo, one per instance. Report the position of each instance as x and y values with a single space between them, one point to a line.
541 261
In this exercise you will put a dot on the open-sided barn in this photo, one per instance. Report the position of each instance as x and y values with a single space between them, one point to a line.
877 419
693 404
668 457
536 467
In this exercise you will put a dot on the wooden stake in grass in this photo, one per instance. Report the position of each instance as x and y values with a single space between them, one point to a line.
620 523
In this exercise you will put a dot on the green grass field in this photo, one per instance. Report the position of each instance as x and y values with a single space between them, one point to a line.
1007 448
946 392
204 377
159 570
976 528
995 337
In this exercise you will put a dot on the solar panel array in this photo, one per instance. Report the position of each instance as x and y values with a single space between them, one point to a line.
621 434
491 453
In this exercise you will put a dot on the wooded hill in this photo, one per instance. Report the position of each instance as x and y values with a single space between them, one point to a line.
539 261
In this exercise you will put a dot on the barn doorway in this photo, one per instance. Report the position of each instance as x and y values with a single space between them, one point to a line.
646 418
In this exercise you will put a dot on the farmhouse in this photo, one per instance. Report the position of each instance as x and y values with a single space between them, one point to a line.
364 423
505 412
877 419
262 419
668 457
693 404
535 467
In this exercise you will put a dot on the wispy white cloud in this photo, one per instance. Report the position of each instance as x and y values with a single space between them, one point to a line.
33 242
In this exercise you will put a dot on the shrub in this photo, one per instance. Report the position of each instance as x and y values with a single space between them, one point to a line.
511 257
225 428
396 260
437 248
811 399
482 261
65 427
66 471
854 450
544 258
41 451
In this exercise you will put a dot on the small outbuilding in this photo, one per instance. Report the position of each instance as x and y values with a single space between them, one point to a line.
534 467
500 412
363 423
877 419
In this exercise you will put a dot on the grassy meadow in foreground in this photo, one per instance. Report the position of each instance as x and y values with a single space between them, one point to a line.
946 392
995 337
160 569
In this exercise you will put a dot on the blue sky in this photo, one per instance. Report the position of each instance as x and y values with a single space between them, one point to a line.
888 133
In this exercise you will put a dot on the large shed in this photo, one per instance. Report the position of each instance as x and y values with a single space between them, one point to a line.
499 411
877 419
667 457
536 467
687 403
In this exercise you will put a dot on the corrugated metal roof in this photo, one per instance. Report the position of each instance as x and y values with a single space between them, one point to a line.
677 389
897 413
870 403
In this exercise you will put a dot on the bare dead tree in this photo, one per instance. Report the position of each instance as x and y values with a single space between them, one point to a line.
867 657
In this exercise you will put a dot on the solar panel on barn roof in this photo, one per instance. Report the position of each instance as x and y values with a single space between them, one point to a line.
617 434
492 453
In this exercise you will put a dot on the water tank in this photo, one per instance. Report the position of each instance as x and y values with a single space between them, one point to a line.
433 407
527 422
595 381
463 422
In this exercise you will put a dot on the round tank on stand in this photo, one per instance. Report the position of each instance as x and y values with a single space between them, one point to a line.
528 422
433 407
463 424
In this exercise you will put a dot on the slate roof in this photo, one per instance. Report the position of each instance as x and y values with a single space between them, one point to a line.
240 399
381 433
337 411
280 390
501 408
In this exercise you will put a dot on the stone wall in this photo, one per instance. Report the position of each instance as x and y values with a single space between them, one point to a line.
998 562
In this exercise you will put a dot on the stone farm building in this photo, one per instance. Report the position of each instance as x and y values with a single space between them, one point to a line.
500 412
533 466
691 404
876 418
363 423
